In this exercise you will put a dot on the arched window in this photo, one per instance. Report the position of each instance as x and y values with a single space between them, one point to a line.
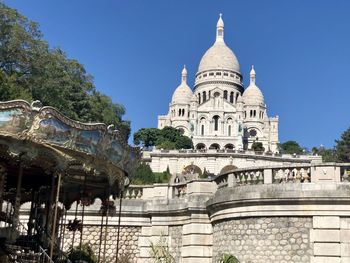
199 98
216 122
225 94
237 96
254 113
229 130
204 96
202 130
179 112
217 94
209 95
183 112
231 97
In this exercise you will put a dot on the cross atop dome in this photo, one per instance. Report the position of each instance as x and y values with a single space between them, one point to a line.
220 29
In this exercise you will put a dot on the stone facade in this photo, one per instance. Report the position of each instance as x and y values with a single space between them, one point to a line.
219 112
261 240
128 241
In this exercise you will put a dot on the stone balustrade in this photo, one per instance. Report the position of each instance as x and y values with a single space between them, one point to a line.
296 173
225 151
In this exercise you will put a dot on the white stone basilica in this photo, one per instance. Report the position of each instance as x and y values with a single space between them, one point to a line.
220 113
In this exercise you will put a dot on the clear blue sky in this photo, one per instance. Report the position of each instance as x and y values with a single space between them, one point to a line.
136 49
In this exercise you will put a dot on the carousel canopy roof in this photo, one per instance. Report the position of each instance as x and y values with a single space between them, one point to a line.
43 138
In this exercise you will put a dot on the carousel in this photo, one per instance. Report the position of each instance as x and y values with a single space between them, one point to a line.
49 162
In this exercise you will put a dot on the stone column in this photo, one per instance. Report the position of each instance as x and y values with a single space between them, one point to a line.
325 237
268 176
197 243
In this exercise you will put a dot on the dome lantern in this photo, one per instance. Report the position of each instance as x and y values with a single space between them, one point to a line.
184 75
220 29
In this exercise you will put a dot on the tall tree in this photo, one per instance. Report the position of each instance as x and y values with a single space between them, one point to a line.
167 138
342 147
291 147
31 70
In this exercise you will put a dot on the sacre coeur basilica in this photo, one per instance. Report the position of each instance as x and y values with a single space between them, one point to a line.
221 116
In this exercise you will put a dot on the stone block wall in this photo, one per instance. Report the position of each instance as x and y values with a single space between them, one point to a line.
261 240
175 244
128 241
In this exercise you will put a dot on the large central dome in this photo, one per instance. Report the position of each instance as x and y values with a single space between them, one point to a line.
219 56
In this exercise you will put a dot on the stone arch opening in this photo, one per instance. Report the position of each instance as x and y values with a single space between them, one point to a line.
228 168
200 146
192 169
215 146
229 146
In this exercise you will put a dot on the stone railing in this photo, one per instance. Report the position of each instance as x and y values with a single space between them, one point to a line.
169 191
306 158
296 173
278 174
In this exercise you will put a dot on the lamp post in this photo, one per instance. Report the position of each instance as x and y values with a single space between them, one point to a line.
126 183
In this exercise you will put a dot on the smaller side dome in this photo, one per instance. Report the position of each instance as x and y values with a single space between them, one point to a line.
183 93
253 95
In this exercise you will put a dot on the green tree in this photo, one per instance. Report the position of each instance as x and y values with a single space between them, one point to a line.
328 155
31 70
291 147
85 253
228 258
160 252
167 138
257 147
143 175
342 147
183 142
146 137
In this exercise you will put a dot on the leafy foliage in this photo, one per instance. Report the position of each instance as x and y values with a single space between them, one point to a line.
167 138
342 147
160 252
143 175
30 70
84 254
291 147
162 178
257 147
328 155
228 258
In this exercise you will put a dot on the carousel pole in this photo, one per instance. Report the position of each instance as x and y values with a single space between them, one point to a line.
118 229
63 229
106 231
63 220
82 215
2 184
75 217
18 197
126 183
48 207
55 215
100 243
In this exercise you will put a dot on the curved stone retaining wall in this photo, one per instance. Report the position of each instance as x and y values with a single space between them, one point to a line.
270 239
